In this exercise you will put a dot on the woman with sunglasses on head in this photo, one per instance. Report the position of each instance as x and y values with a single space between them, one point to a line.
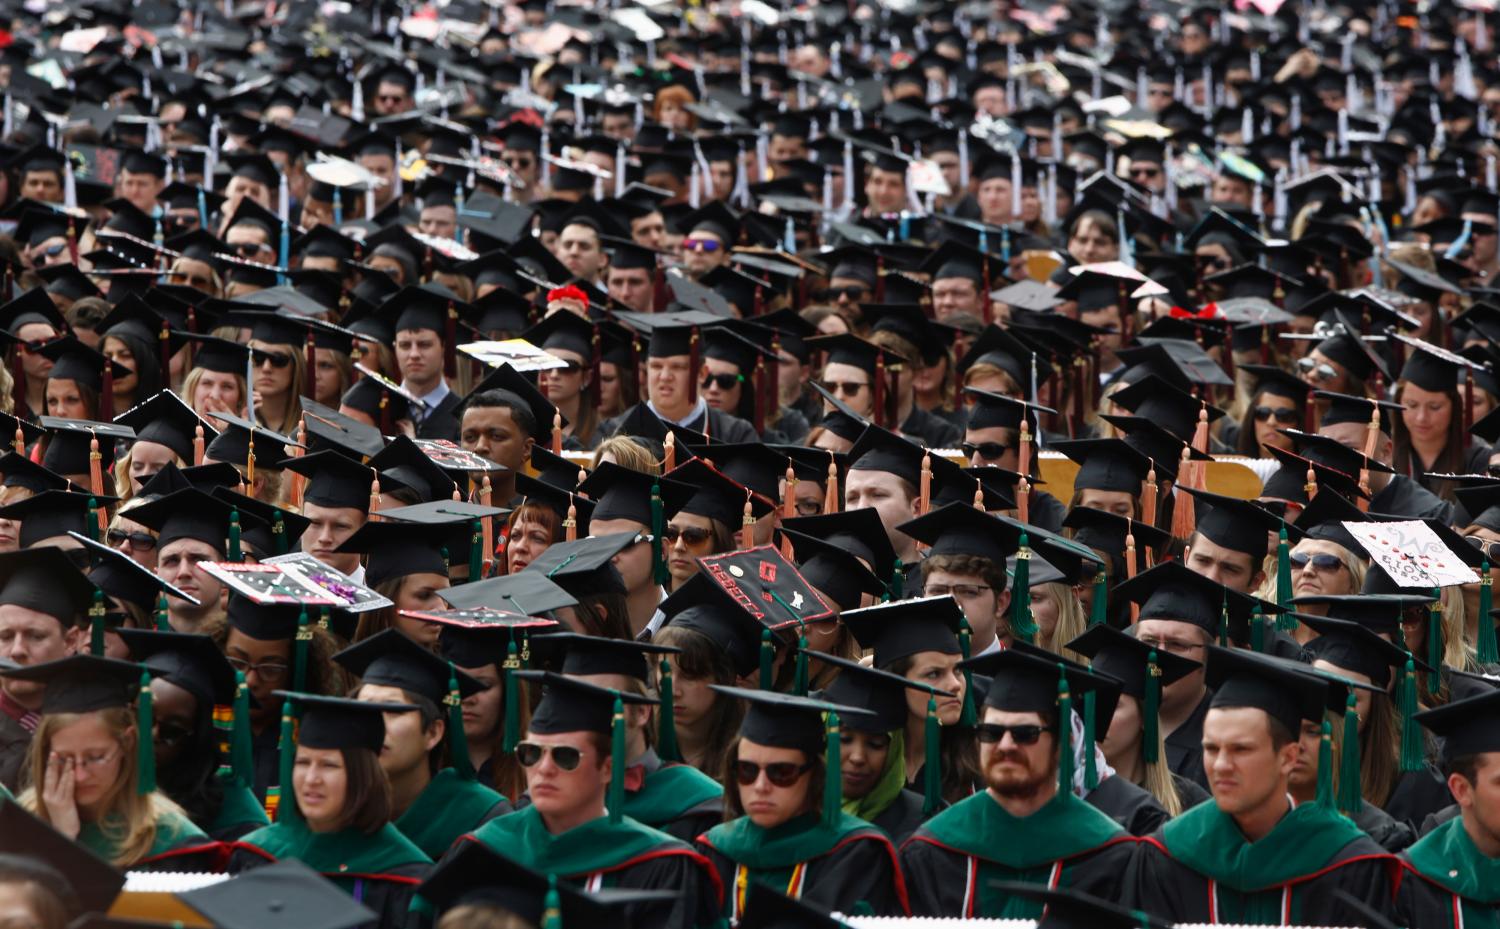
785 825
336 813
1279 401
91 777
1340 363
1430 435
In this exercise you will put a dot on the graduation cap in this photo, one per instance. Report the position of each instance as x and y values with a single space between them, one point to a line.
1156 400
717 496
240 437
212 353
53 513
832 567
622 493
521 392
193 514
68 447
530 593
124 578
266 895
1107 464
90 884
403 464
334 480
767 908
902 628
1177 361
1354 646
33 306
340 723
999 347
1241 679
166 420
192 662
578 655
1140 668
44 579
21 471
72 360
878 449
585 567
1466 727
701 606
571 705
1175 592
1482 503
1235 524
397 549
1106 532
1333 454
390 658
81 683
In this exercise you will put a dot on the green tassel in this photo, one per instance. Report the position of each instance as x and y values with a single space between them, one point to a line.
1257 631
1435 642
96 624
896 589
278 531
458 740
1064 734
617 759
969 715
1090 736
1099 609
1150 713
666 727
145 743
235 554
1489 651
767 659
91 521
1021 625
932 762
1412 753
552 906
299 652
163 620
658 526
512 733
800 683
1350 801
1224 621
476 550
287 807
1325 769
833 784
1284 588
241 755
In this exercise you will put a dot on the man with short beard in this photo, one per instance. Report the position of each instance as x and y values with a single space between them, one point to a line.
1022 827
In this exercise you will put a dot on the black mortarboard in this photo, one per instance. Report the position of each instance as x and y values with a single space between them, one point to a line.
1432 367
785 721
403 464
570 705
1467 727
93 883
72 360
1127 659
1241 678
166 420
334 480
390 658
68 448
124 578
960 529
567 331
856 532
1235 524
954 259
1333 454
704 607
52 513
82 683
239 435
529 593
1022 681
521 390
833 568
398 549
267 895
192 662
21 471
193 514
1172 591
992 410
669 334
1106 464
896 630
1354 646
221 355
340 723
716 496
585 567
879 449
1347 408
33 306
621 493
880 693
848 349
578 655
45 580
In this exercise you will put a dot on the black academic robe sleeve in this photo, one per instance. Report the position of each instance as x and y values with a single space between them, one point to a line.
694 822
266 758
931 430
1046 511
1422 904
1418 794
698 900
1388 832
1405 497
899 820
390 900
1128 804
15 742
1189 792
858 870
1171 891
936 877
722 427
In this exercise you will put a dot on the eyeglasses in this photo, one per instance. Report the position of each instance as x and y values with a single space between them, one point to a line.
1264 414
989 451
1321 561
1175 646
701 245
844 388
992 733
245 249
779 773
1317 370
277 360
140 541
530 754
961 591
1213 263
809 508
721 381
89 762
268 671
519 164
855 293
690 535
190 280
1490 550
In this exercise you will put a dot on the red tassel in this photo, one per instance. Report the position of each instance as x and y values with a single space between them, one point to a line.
879 279
758 398
18 383
107 393
658 290
164 349
596 358
878 410
831 496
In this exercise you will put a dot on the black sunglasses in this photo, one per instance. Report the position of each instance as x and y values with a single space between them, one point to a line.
690 535
989 451
992 733
854 292
779 773
142 541
1321 561
530 754
278 360
721 381
1264 414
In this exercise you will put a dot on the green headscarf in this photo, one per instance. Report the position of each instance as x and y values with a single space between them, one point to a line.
887 789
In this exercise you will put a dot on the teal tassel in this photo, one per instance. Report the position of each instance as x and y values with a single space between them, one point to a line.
767 659
91 521
1488 651
458 740
287 807
278 531
969 715
299 653
800 683
1224 621
617 761
552 906
241 755
1021 625
932 762
666 726
1090 736
1150 712
163 621
1435 642
476 550
1325 769
1412 752
1099 609
235 553
96 624
1350 801
1284 588
512 696
658 526
145 743
1064 735
833 784
896 589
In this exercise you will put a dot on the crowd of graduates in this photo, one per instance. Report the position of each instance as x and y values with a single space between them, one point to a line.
527 464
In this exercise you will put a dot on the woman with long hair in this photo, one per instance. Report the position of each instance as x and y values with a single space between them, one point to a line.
407 564
93 780
702 526
127 342
1278 401
670 109
279 371
569 338
77 378
705 719
336 814
1137 788
780 826
1430 435
1056 609
215 383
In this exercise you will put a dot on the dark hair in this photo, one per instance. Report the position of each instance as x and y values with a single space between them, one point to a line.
192 780
367 793
1465 766
958 750
49 894
148 373
520 412
1246 443
399 255
1451 460
733 809
702 658
87 312
614 624
1281 736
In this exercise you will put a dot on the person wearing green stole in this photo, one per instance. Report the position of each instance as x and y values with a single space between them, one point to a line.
432 804
1451 876
1027 825
94 774
336 815
193 681
575 828
789 828
675 798
1253 856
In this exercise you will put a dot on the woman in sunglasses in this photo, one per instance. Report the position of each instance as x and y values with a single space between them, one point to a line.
782 826
279 370
701 527
341 805
1278 402
1323 566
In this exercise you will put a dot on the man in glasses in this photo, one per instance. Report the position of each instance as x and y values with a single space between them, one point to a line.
569 831
1050 835
992 439
1147 158
1209 862
394 91
43 598
523 156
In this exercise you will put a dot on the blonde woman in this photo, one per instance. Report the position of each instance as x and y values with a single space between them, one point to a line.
1321 567
1058 614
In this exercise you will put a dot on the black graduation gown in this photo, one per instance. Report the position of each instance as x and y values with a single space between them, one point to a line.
932 431
1128 804
263 749
790 428
1476 461
442 422
1046 511
1190 792
1388 832
1405 497
15 742
1418 794
902 817
1185 746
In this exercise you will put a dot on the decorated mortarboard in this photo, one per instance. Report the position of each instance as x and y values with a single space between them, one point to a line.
266 895
91 883
403 464
711 610
529 592
480 636
81 683
905 627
